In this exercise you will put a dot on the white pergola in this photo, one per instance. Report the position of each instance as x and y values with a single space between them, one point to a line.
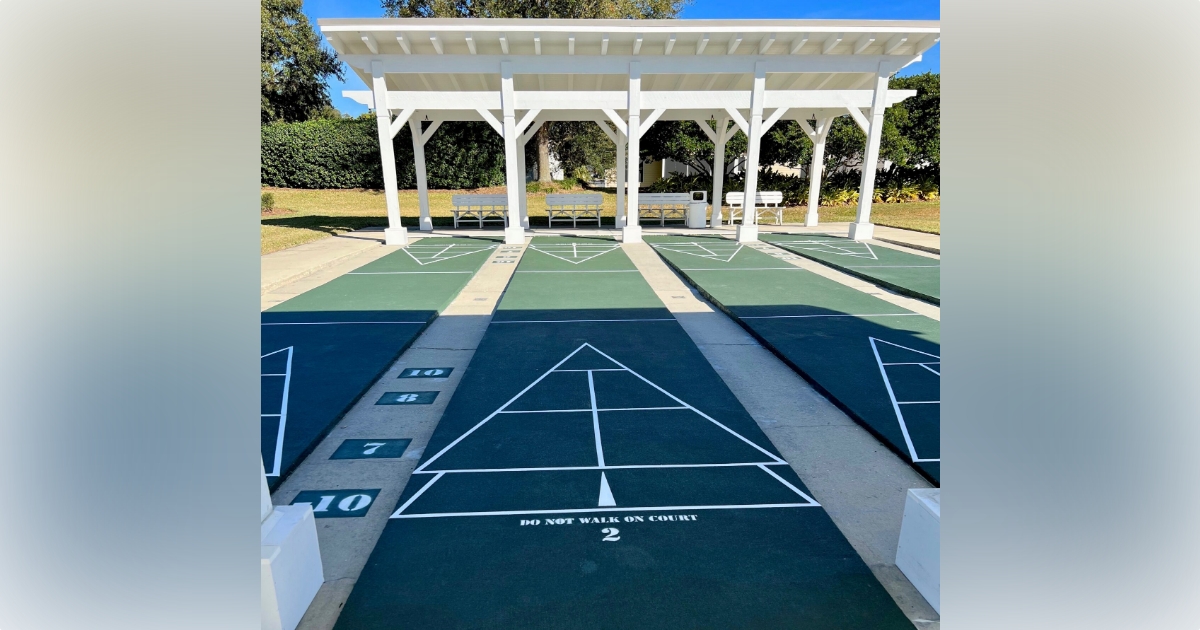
518 74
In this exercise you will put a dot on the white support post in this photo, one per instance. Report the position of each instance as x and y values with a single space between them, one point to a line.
862 229
632 231
814 171
422 183
748 230
719 169
395 234
620 180
514 234
524 176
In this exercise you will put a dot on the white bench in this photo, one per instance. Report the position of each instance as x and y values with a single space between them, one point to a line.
663 206
767 202
574 207
481 208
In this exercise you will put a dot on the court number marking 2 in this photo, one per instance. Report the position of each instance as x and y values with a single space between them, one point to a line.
352 503
611 534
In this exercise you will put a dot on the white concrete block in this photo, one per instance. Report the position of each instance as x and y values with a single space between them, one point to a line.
747 233
514 235
631 234
291 566
396 236
919 553
862 231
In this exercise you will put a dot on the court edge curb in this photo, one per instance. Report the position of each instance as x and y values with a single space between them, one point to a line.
924 248
811 381
269 287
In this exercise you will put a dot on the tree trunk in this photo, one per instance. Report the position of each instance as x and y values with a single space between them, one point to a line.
543 148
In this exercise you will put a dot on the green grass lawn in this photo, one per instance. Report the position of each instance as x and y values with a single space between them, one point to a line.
302 216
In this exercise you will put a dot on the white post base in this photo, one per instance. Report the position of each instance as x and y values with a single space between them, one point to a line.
919 553
396 236
631 234
514 235
810 219
862 231
620 222
525 222
291 571
426 224
747 233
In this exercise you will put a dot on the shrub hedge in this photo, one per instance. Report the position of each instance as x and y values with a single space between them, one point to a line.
345 154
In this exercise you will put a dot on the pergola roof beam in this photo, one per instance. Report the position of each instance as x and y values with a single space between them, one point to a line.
798 43
604 45
403 44
619 64
637 46
617 100
734 42
894 43
765 44
437 44
537 43
702 44
862 43
471 44
571 45
369 40
503 43
830 42
670 45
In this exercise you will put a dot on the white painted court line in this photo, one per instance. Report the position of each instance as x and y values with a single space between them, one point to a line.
283 407
573 321
618 467
827 315
329 323
574 251
755 506
593 409
825 247
683 248
417 494
539 379
438 255
785 482
399 273
892 266
578 271
912 451
749 269
595 420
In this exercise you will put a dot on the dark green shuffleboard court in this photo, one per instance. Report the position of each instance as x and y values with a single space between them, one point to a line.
912 275
878 362
323 348
593 471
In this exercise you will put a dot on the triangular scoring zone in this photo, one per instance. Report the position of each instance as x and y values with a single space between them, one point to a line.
700 250
286 375
832 248
606 500
589 251
435 253
935 360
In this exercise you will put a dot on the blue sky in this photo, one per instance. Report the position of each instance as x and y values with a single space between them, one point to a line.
782 9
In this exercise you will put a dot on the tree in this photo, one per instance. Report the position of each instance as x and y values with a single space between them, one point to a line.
921 123
294 66
563 9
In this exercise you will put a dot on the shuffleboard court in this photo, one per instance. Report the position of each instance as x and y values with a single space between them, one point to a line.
592 470
878 362
323 348
910 274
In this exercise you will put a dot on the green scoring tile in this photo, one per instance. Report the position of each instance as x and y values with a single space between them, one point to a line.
407 398
371 449
338 503
421 372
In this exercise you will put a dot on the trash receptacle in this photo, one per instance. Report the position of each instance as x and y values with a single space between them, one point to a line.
697 215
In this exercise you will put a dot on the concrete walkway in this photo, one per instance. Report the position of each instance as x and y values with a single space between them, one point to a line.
289 265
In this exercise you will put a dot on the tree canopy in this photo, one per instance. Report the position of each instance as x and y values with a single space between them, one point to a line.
294 66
